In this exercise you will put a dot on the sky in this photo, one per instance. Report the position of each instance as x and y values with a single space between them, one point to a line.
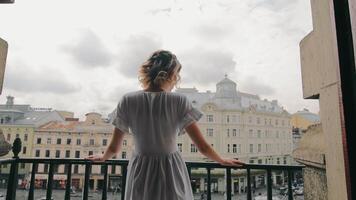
83 55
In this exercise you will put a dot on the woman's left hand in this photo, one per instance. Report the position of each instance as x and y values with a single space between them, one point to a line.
96 158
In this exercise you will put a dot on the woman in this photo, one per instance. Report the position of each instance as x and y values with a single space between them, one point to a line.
155 116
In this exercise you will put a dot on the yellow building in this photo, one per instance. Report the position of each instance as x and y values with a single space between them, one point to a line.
78 139
303 119
20 121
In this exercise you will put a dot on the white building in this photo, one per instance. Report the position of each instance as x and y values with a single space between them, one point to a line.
239 125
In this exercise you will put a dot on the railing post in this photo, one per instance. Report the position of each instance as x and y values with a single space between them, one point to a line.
69 180
269 184
228 183
123 183
290 192
13 176
50 181
249 195
32 183
105 182
209 184
86 181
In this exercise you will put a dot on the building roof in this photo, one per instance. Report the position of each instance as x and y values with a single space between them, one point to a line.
308 115
230 98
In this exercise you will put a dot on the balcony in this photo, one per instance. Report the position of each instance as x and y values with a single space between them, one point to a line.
210 168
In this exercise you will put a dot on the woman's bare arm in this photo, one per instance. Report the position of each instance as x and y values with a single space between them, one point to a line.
205 148
112 149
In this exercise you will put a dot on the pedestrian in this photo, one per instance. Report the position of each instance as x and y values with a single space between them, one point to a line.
155 116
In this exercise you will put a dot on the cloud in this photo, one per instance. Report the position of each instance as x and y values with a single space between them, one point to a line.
89 51
253 85
204 66
23 78
212 31
273 5
134 51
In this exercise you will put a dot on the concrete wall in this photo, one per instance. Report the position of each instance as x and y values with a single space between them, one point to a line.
321 78
315 187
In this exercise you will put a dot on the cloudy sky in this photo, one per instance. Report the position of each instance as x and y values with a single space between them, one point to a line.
83 55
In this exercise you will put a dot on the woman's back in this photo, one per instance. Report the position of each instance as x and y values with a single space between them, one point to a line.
155 119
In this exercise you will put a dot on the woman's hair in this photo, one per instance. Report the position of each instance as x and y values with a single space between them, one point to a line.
159 69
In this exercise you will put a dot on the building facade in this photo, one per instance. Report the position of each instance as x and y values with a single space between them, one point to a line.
21 121
239 125
77 139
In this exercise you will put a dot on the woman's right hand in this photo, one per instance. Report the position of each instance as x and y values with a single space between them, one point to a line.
231 162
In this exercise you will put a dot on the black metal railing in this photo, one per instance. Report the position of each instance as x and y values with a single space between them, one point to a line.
15 161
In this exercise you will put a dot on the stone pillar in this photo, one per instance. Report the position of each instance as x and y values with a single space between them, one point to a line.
3 55
321 80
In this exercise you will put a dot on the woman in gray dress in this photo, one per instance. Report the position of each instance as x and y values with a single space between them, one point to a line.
155 116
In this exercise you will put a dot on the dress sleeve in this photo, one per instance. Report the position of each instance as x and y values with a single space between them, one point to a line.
120 117
189 115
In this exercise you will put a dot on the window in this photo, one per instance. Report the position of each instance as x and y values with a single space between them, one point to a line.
79 142
234 118
276 122
25 138
55 168
251 161
193 148
180 147
67 153
102 169
91 141
277 134
48 153
17 135
24 150
250 120
105 142
259 133
123 155
76 169
77 154
45 168
227 118
251 148
210 118
69 141
228 132
228 148
124 143
234 132
250 133
239 148
38 140
49 140
59 140
234 149
37 154
259 148
22 166
259 161
285 160
265 121
209 131
278 162
90 153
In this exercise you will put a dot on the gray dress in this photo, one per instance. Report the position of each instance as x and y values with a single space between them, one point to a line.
156 170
